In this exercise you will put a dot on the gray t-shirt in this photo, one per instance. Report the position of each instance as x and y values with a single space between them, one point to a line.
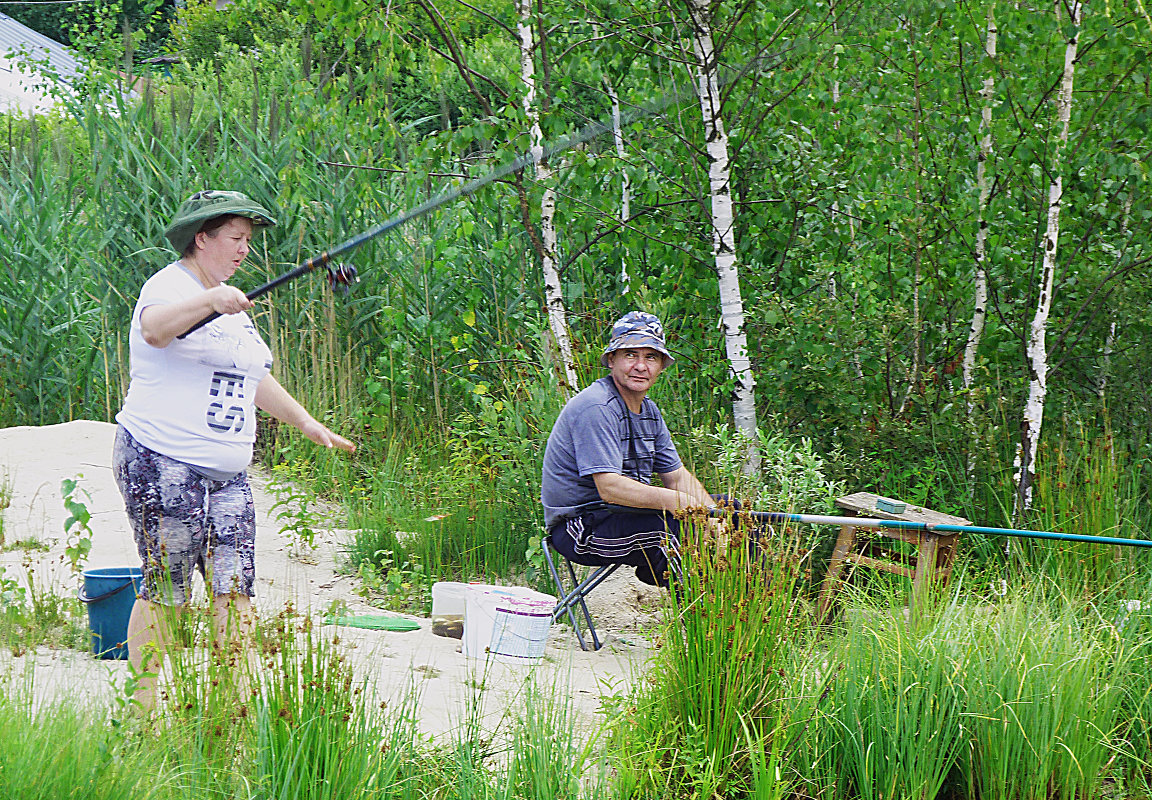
597 433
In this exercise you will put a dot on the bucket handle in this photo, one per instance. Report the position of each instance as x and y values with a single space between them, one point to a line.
86 599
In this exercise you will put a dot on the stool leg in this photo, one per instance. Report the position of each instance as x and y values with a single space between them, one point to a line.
579 597
569 598
844 544
565 604
925 569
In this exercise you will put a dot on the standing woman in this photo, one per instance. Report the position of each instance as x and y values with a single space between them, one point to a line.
188 426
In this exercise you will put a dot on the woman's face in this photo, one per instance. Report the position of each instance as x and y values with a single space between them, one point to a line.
220 253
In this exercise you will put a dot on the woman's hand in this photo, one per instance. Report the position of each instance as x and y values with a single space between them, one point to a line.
227 300
321 435
160 324
274 398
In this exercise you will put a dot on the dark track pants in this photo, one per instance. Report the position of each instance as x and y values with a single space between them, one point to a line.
644 540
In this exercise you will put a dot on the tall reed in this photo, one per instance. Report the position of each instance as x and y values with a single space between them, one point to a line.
898 695
715 707
1044 694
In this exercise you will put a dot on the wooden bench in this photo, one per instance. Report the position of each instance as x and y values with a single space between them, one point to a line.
933 557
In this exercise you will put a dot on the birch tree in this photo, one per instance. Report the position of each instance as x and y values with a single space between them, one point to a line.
1037 354
723 221
980 288
625 187
553 290
1110 338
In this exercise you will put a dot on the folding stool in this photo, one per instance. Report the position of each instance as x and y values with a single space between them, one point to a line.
575 597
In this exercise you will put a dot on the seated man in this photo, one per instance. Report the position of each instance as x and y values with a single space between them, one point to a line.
605 445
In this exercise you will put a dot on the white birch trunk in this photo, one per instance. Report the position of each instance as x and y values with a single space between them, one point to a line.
983 187
724 229
835 65
553 293
913 374
1110 339
625 185
980 292
1037 350
1106 358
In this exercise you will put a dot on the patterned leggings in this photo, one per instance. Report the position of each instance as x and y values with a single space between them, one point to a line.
183 522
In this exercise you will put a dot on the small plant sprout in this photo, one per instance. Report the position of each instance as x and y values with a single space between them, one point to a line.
5 499
295 507
79 534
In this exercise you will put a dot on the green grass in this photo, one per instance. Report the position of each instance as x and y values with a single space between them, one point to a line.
1037 694
714 713
33 615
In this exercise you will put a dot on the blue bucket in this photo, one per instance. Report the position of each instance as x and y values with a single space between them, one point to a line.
105 592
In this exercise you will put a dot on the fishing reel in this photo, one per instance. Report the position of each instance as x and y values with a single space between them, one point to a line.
342 277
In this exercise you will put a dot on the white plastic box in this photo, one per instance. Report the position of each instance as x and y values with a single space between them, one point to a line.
507 623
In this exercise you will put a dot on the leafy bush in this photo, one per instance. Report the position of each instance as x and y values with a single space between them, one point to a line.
791 475
200 29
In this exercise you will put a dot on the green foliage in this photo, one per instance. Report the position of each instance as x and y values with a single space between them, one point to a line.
116 33
855 215
791 477
32 615
898 704
1086 485
714 710
1027 697
79 544
295 506
1044 709
200 31
74 24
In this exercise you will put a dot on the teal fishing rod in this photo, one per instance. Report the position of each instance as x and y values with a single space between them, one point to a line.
929 527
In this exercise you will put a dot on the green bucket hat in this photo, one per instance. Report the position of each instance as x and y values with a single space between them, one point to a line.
203 206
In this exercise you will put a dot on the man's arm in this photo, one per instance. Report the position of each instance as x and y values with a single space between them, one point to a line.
683 481
680 490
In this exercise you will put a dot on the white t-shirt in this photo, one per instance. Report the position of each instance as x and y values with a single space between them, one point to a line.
194 399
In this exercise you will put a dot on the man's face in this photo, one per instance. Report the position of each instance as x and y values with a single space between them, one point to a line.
635 369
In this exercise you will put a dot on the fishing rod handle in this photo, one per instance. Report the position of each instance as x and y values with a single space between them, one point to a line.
304 268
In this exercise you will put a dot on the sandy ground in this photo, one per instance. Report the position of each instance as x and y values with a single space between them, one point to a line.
34 461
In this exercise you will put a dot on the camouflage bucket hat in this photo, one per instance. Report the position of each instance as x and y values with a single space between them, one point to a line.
203 206
637 329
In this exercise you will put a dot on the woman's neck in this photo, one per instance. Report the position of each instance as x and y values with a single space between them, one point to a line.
198 273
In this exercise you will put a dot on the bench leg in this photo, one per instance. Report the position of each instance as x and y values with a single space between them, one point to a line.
925 569
844 544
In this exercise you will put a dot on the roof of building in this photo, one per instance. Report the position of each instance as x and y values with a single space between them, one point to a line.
20 87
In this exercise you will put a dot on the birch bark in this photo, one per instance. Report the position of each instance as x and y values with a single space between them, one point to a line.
625 186
1110 338
1037 352
913 374
980 294
553 291
980 289
723 228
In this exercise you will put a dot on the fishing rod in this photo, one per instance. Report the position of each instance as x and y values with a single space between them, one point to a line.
927 527
343 275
